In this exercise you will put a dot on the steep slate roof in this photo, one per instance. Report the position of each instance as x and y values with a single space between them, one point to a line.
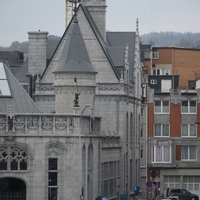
21 72
13 57
18 67
74 57
99 37
117 40
19 99
113 48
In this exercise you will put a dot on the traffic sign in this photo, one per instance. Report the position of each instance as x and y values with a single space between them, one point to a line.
148 183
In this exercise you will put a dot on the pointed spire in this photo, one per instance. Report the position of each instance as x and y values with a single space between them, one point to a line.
137 24
74 57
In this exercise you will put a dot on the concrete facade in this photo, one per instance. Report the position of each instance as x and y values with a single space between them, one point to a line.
173 157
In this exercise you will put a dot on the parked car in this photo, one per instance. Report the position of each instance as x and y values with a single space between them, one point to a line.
171 198
183 194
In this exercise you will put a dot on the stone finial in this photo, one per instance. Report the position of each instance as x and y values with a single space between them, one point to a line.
137 24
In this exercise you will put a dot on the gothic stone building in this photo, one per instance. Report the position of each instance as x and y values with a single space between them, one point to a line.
79 134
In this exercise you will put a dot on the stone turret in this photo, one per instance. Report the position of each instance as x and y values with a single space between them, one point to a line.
97 9
75 77
37 52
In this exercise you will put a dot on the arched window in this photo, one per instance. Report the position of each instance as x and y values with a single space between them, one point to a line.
54 170
13 158
131 129
126 127
90 157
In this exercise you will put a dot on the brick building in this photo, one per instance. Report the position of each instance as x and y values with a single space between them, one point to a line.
173 108
176 61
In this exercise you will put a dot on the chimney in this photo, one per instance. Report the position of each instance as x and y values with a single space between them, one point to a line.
97 9
37 52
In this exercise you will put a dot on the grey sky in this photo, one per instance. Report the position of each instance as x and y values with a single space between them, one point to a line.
17 17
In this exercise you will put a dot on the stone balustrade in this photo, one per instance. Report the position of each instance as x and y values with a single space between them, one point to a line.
48 125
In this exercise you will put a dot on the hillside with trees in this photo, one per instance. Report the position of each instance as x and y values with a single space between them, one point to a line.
186 40
23 46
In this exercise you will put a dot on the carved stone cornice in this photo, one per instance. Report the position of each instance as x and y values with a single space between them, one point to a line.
44 87
73 76
110 98
73 90
48 98
111 87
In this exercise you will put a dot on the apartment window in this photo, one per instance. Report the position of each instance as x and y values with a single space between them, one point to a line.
155 55
161 71
191 84
161 154
189 130
161 107
153 81
189 152
188 106
156 71
161 130
52 178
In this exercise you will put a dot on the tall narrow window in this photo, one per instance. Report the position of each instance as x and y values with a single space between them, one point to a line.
126 127
52 178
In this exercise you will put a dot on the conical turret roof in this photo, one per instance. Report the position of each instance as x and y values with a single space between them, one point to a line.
74 57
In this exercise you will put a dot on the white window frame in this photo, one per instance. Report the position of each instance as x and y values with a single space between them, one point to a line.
155 55
161 71
153 81
156 71
188 130
155 155
161 130
189 110
189 153
161 108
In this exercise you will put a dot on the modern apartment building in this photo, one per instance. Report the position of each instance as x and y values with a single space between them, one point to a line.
173 109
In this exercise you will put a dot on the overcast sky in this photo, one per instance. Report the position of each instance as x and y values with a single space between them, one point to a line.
17 17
